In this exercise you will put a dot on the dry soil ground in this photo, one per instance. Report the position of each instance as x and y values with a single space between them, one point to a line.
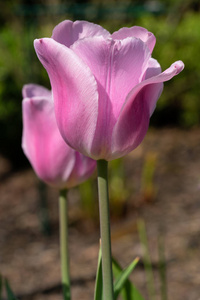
30 259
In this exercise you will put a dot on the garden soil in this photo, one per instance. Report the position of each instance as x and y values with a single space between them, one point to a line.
161 187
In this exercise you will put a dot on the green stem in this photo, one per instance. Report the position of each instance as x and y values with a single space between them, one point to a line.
102 167
64 252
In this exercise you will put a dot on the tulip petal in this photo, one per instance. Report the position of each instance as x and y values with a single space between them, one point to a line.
117 66
154 90
68 32
74 91
34 90
51 158
133 121
137 32
83 168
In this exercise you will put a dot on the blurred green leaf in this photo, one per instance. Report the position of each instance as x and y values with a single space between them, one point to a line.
98 294
10 293
123 285
1 286
162 267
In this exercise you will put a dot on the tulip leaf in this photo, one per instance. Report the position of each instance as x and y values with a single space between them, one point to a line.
98 294
121 279
10 294
123 285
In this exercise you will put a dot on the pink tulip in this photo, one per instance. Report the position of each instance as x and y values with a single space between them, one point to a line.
105 86
52 159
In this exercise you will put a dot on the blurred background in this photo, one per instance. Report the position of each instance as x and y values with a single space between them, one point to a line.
159 182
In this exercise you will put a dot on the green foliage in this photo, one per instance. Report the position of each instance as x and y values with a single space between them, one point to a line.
148 265
162 267
180 99
127 290
117 188
9 291
148 189
177 37
5 284
98 293
122 285
122 278
88 194
18 66
1 286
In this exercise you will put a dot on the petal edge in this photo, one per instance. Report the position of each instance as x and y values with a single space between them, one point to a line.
75 93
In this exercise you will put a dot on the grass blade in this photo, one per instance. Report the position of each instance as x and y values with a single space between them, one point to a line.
121 280
162 268
98 294
10 294
1 286
127 290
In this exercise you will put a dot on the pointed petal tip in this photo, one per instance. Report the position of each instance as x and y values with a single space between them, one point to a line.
179 66
24 90
37 41
42 47
39 44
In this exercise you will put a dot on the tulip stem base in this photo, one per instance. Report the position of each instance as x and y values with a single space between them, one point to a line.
64 251
102 167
